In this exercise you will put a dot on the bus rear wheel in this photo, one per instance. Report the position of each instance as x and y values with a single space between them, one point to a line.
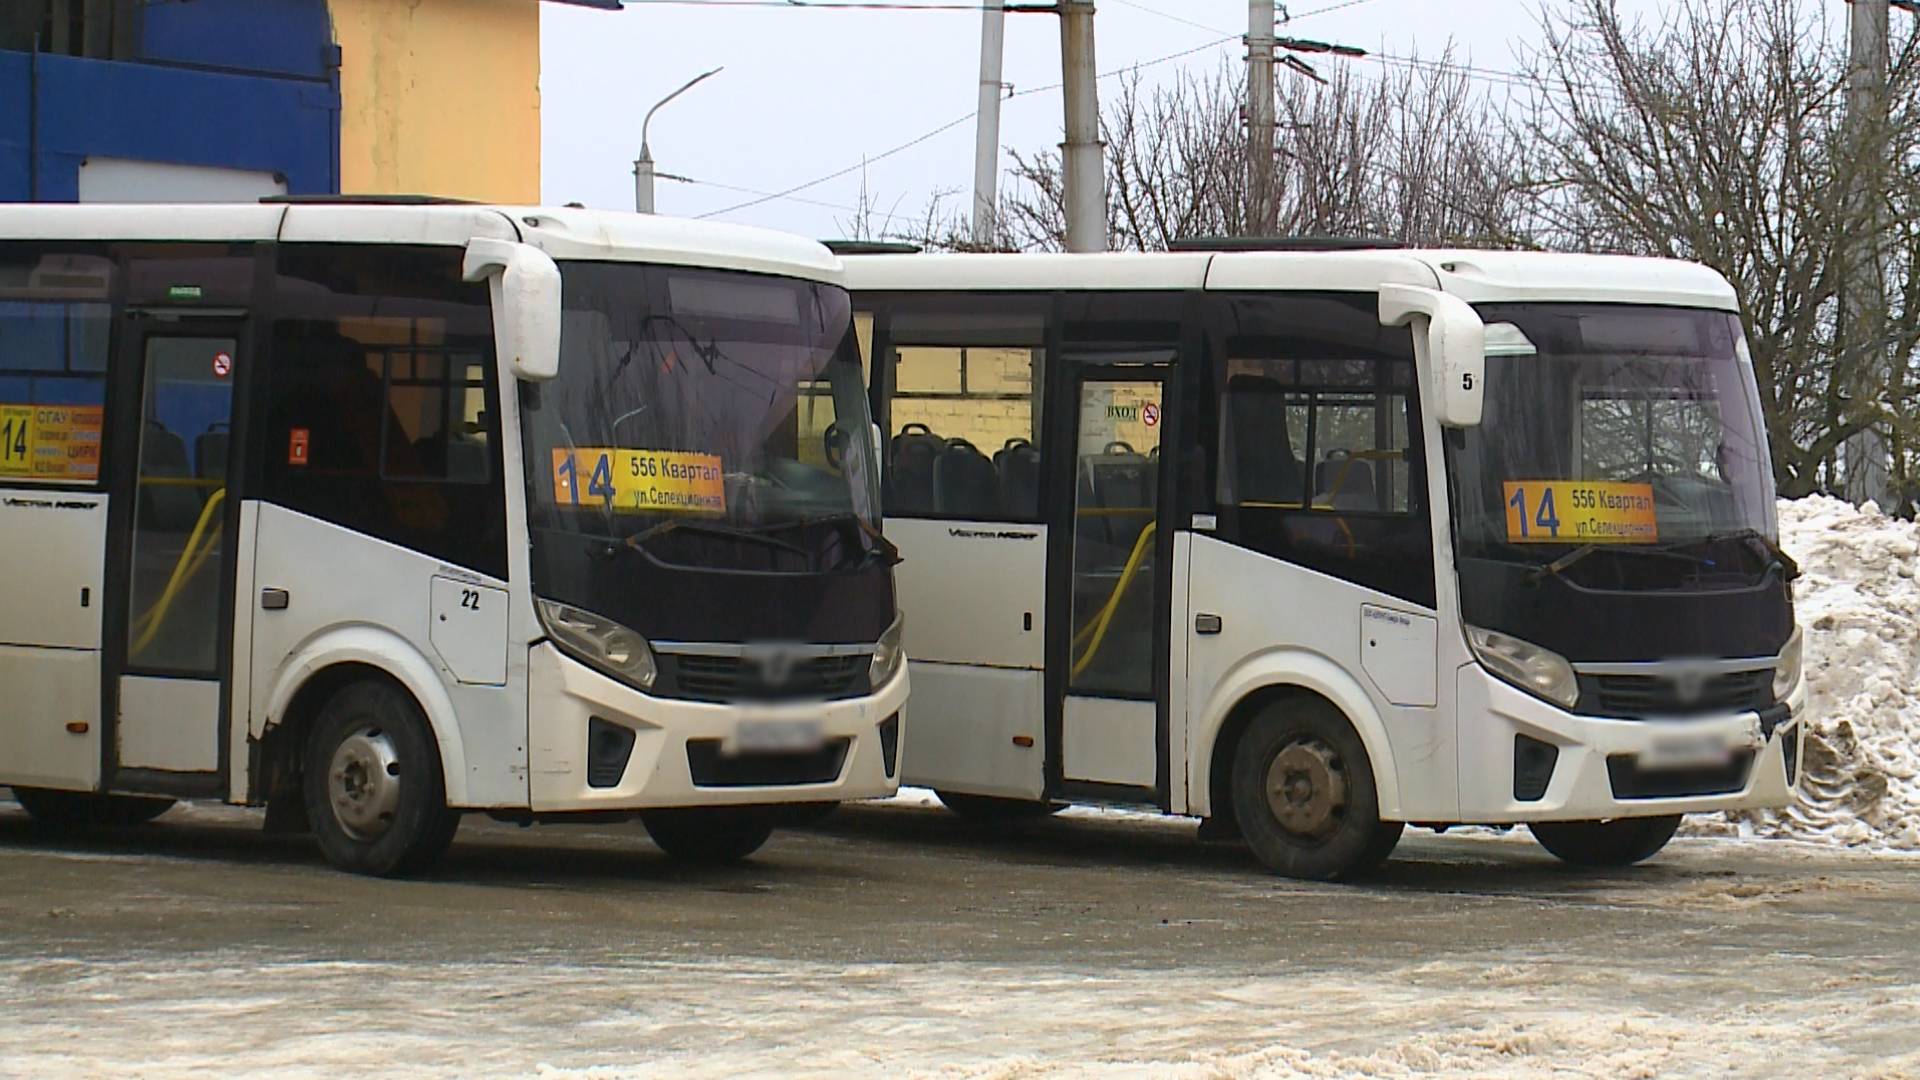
995 808
1304 795
709 834
85 810
1620 842
372 782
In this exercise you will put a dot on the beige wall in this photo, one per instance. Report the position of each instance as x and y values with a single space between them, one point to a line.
440 97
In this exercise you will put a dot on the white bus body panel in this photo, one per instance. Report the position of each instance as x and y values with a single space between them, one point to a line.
1108 741
169 724
355 599
974 594
570 694
1283 625
50 637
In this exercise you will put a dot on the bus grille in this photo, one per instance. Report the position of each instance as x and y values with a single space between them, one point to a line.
1641 696
711 768
736 678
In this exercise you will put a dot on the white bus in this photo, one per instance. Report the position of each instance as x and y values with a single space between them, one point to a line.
375 513
1316 543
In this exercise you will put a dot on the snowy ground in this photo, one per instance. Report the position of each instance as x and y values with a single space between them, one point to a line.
898 941
1859 603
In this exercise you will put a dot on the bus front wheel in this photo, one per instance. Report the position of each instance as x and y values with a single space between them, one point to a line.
1620 842
84 810
372 783
1304 795
709 834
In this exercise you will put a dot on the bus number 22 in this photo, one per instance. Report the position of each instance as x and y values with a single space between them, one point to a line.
1545 516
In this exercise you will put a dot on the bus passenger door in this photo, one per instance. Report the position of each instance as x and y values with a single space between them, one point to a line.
170 613
1109 589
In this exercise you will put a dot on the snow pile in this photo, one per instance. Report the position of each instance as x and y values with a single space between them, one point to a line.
1859 603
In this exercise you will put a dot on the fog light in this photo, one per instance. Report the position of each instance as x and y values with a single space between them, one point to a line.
890 744
1533 762
609 746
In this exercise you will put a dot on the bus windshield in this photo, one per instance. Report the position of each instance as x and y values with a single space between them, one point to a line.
707 419
1629 433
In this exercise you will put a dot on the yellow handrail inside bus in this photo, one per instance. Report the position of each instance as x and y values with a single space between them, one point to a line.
199 545
1098 627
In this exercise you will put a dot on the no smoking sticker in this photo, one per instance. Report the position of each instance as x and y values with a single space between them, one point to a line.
222 364
1150 414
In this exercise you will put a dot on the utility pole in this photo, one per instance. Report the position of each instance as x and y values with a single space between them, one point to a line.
1260 123
986 137
1863 295
1084 170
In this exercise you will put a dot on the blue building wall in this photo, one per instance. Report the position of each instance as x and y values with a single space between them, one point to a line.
239 84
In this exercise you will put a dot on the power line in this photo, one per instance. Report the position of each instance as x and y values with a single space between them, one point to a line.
949 125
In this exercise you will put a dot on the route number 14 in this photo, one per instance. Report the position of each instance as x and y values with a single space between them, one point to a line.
1542 515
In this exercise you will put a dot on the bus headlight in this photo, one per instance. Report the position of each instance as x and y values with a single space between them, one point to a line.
1786 670
887 654
599 641
1526 665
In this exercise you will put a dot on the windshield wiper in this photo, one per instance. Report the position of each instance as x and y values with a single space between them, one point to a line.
707 528
1561 565
882 547
1761 544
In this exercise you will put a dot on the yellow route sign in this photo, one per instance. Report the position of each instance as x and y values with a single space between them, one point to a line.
50 442
640 481
1580 512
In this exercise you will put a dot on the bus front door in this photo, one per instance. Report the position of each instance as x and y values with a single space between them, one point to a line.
1108 730
171 607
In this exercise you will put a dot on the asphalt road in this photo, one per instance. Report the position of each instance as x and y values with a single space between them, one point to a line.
898 940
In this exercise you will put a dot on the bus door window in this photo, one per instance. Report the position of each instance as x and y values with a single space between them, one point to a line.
178 549
1116 507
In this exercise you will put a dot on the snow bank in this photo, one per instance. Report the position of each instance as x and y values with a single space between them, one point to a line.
1859 603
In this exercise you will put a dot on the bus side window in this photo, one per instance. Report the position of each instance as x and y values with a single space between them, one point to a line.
382 413
965 410
55 323
1316 460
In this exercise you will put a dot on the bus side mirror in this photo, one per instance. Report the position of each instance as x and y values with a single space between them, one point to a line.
525 285
1452 352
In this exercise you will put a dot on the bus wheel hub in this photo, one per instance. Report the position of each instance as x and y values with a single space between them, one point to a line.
1307 789
363 783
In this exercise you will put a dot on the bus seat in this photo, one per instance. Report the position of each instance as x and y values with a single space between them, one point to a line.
1266 469
210 450
1018 463
965 483
910 475
1354 479
166 507
1112 482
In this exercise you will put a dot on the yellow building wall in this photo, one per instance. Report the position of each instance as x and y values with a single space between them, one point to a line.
440 97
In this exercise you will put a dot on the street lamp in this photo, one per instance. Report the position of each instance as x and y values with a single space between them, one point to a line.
643 168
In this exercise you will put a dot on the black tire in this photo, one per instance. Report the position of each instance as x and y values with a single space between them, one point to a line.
85 810
1324 825
372 783
1620 842
709 834
995 808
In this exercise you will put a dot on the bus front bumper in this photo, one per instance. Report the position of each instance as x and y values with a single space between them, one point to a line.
683 753
1524 759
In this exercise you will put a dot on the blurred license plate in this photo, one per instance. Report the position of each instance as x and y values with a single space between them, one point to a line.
778 737
1688 751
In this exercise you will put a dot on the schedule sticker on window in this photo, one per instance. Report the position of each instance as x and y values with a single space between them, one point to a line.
640 481
1580 512
50 442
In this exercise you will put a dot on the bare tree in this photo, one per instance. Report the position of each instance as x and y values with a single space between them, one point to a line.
1718 135
1412 155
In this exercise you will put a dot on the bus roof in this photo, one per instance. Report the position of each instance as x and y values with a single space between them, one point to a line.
1475 276
564 233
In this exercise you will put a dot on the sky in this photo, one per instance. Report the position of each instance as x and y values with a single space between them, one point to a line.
808 93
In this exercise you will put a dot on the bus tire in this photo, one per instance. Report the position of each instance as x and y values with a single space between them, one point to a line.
372 783
709 835
1304 794
1620 842
85 810
995 808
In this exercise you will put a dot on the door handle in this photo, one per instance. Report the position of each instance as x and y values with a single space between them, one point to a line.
1206 624
273 599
